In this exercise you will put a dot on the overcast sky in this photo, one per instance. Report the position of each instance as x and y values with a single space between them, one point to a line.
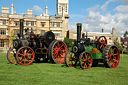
93 14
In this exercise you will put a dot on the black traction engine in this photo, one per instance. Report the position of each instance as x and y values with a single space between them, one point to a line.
41 48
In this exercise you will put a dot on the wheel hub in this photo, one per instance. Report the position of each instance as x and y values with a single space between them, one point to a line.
26 56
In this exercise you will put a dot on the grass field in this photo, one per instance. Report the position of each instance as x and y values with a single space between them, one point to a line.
59 74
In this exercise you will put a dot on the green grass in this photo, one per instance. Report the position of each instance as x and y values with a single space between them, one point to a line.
59 74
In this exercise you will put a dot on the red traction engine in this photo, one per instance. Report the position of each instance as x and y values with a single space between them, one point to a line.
89 53
30 47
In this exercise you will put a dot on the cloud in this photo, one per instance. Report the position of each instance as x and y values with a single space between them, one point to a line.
95 8
123 1
96 19
122 9
37 9
45 0
104 6
76 18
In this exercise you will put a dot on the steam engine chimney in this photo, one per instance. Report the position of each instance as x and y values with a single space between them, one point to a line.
21 28
12 8
79 25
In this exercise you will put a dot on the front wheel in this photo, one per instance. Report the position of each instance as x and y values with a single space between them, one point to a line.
70 59
25 56
85 60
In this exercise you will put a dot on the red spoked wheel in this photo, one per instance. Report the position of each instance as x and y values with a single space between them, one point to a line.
25 56
11 54
85 60
70 59
101 42
57 51
111 56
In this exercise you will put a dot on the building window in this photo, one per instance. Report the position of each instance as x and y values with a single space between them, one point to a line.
27 23
2 43
2 22
60 8
32 23
66 8
42 24
16 23
16 32
56 24
110 38
42 32
74 34
2 32
56 33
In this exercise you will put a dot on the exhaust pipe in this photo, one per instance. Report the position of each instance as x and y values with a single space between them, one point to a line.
79 25
21 28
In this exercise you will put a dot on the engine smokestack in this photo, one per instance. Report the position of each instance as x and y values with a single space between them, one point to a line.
21 28
79 25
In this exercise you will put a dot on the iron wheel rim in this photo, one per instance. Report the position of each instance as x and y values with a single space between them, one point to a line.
113 57
85 60
25 56
70 59
59 51
11 56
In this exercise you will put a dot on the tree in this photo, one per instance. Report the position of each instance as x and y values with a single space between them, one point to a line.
119 46
126 35
69 42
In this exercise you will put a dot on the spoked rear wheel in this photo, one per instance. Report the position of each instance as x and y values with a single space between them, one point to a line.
70 59
111 56
25 56
57 51
85 60
11 54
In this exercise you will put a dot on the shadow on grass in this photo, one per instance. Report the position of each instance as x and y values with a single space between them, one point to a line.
78 66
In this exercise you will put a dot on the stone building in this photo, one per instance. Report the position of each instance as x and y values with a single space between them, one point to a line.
9 23
94 35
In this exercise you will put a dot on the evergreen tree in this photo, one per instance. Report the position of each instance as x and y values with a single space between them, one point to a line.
126 35
119 46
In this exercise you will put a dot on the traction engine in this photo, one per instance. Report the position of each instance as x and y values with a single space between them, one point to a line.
89 53
30 47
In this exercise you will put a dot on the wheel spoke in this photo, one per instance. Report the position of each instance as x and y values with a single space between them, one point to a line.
20 54
28 51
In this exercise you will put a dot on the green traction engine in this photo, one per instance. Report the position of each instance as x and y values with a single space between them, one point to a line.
89 53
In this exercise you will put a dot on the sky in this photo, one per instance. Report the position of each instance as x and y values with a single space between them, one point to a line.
93 14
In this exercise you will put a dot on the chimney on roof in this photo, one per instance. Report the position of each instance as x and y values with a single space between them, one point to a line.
5 10
46 11
113 31
102 30
12 8
29 11
14 12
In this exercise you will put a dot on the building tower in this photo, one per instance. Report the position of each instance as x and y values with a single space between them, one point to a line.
12 8
62 5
